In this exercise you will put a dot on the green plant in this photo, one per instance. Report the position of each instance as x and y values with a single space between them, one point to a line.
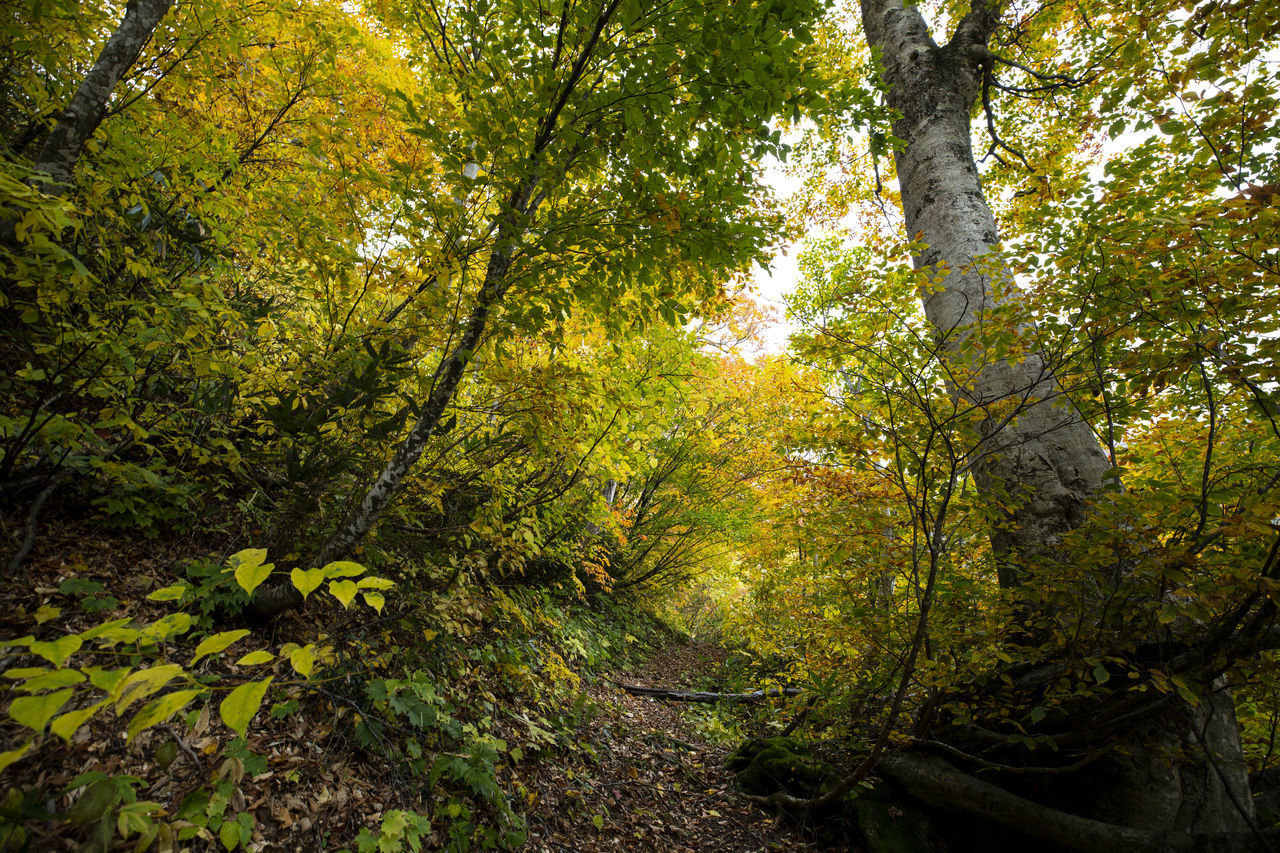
126 668
400 830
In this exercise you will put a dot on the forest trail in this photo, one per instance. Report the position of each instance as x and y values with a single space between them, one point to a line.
658 785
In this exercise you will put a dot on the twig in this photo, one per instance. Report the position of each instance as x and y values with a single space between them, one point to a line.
182 742
29 539
996 141
799 718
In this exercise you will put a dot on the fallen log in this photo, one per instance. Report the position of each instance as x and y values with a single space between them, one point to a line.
671 695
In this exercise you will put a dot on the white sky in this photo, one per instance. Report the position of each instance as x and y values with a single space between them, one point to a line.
771 285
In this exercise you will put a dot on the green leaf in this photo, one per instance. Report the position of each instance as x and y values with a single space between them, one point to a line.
241 704
255 658
169 593
35 712
1100 674
229 835
94 802
307 580
136 817
344 591
217 643
59 650
67 725
251 571
374 600
343 569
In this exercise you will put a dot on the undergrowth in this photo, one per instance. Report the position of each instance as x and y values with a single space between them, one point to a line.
442 691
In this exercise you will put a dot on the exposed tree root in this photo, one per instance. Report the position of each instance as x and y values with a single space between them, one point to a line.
938 783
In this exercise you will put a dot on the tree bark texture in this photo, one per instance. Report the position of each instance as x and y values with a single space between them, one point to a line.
88 105
1045 464
1047 459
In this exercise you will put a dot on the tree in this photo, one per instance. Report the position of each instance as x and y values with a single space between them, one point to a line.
1046 483
554 110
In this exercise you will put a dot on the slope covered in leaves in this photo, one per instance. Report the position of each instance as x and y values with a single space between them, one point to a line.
457 718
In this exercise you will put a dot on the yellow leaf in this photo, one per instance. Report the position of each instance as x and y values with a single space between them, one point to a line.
168 593
143 683
343 569
57 651
242 703
67 725
217 643
47 612
307 580
7 758
375 583
304 660
255 658
159 710
35 712
250 569
344 591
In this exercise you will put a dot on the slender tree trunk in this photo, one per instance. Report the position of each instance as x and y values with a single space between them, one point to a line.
518 213
270 602
448 376
1045 464
88 106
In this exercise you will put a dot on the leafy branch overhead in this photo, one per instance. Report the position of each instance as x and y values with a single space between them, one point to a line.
378 379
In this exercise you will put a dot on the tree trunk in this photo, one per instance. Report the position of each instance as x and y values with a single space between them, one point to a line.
1047 458
269 602
88 106
1045 463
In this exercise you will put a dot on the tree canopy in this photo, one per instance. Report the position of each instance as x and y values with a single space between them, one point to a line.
436 316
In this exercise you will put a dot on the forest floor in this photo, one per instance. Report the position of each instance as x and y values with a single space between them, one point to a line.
632 774
658 785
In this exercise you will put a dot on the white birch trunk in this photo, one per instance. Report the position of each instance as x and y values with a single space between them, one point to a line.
88 106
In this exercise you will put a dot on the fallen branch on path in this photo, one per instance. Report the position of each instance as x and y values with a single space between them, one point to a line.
672 695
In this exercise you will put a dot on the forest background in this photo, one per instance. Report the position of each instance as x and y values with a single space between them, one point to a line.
417 339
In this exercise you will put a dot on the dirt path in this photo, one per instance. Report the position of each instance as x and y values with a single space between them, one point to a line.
656 786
